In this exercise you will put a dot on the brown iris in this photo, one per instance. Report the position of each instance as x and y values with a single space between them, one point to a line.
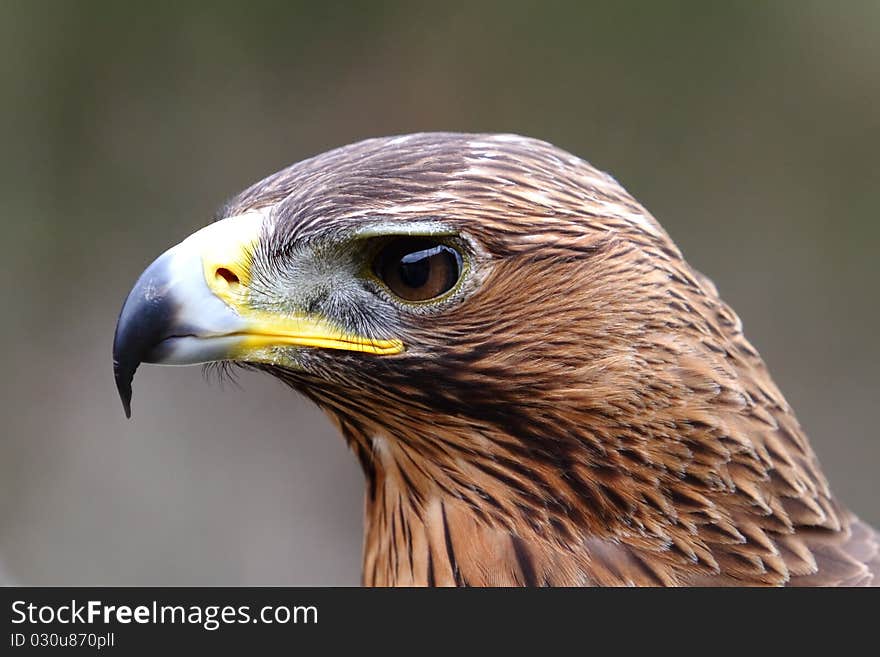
418 269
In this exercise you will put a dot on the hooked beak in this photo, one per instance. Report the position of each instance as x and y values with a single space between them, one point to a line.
191 305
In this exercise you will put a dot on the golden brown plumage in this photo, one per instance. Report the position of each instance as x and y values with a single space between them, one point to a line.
585 411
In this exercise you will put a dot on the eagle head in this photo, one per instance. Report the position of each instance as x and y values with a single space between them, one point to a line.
539 388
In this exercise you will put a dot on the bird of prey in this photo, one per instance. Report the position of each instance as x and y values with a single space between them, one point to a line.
538 387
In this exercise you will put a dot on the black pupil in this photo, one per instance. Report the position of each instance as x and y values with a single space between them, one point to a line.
415 268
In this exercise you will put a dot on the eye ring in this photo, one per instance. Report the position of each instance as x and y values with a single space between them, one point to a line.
418 269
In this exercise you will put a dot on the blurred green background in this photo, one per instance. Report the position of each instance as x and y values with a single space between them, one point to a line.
750 129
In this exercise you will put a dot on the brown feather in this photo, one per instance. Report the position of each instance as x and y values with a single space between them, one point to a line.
589 414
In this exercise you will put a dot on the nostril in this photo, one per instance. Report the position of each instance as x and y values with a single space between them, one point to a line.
227 275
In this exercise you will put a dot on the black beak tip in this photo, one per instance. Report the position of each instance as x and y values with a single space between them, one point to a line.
146 319
124 377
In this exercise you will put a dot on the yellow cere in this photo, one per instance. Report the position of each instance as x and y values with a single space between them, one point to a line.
227 252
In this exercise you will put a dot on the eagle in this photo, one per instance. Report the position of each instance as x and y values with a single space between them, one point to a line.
538 387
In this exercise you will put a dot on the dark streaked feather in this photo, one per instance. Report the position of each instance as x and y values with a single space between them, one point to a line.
591 413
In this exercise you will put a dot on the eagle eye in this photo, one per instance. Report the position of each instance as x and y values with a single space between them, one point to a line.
417 268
